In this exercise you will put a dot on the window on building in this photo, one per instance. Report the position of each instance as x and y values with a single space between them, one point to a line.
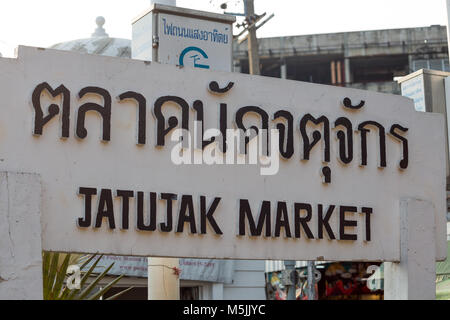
189 293
433 64
379 68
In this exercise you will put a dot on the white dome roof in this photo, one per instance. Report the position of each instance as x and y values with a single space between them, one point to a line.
99 43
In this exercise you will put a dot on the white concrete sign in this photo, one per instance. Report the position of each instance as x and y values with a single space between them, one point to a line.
414 88
101 133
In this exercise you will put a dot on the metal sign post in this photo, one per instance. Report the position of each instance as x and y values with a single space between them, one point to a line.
311 281
169 34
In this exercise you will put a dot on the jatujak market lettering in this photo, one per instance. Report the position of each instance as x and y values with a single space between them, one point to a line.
312 128
170 212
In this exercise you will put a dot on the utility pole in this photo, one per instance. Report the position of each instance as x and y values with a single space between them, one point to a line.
292 288
253 56
311 280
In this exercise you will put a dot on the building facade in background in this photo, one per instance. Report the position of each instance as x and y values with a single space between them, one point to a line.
369 60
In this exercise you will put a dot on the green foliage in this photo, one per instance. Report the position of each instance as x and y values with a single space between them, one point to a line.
55 272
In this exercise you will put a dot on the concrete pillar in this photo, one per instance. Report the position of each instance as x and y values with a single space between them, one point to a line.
347 71
333 72
217 291
410 63
414 277
163 283
283 70
290 266
20 237
338 72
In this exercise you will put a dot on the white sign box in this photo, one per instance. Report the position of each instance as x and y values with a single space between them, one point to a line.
414 88
184 37
99 132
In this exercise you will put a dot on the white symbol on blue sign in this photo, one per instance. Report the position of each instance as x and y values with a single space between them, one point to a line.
197 55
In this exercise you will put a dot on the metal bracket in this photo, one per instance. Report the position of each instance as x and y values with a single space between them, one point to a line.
155 42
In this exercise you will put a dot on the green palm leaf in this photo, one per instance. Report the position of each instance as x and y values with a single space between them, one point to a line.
91 287
119 294
60 275
72 295
50 280
105 289
54 275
